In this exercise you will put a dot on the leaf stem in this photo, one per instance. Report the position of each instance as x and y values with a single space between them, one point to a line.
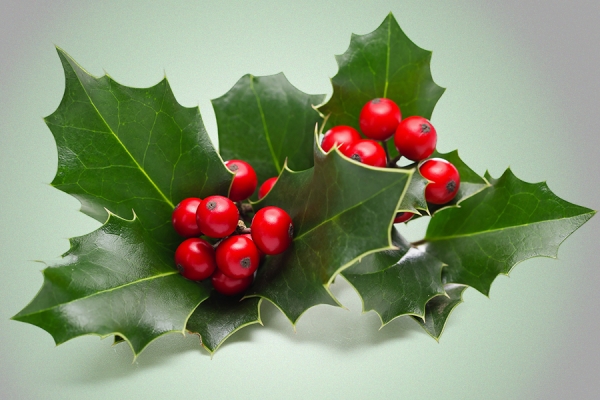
392 163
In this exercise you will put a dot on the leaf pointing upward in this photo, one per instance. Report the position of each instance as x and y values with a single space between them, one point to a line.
264 120
383 63
122 148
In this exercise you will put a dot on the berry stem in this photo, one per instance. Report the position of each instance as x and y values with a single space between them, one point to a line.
419 242
392 163
387 153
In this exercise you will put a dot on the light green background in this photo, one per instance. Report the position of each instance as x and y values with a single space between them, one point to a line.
522 91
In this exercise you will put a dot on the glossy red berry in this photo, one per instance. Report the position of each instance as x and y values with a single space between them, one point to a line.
403 217
229 286
184 217
445 180
415 138
343 135
237 257
217 216
367 152
272 230
379 119
244 181
266 187
260 253
195 259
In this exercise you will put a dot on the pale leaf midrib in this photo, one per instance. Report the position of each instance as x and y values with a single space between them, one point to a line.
169 202
440 238
104 291
347 209
264 123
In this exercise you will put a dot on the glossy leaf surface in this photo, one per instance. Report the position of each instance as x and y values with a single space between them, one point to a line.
220 316
499 227
115 280
396 282
439 309
383 63
263 120
124 149
341 210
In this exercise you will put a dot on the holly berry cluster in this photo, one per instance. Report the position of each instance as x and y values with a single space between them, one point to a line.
415 139
232 261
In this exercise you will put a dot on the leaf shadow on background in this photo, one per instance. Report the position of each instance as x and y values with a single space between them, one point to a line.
332 329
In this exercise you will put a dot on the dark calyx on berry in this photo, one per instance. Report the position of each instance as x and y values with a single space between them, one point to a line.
451 186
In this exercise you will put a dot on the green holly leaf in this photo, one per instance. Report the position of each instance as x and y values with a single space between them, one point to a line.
439 308
396 282
219 317
383 63
341 210
414 198
124 149
264 121
499 227
114 281
470 184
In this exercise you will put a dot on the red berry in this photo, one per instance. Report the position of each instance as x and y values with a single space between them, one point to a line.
344 136
367 152
379 119
184 217
237 257
230 286
195 259
260 253
445 180
272 230
217 216
266 187
244 181
403 217
415 138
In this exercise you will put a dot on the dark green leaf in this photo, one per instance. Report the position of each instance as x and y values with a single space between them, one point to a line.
499 227
414 198
114 281
263 121
396 282
121 148
439 309
220 316
341 210
383 63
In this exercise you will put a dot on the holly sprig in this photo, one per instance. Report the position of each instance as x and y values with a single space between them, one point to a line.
131 155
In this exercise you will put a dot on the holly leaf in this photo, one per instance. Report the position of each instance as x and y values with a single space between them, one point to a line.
122 148
341 210
219 317
264 120
439 308
499 227
396 282
114 281
383 63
